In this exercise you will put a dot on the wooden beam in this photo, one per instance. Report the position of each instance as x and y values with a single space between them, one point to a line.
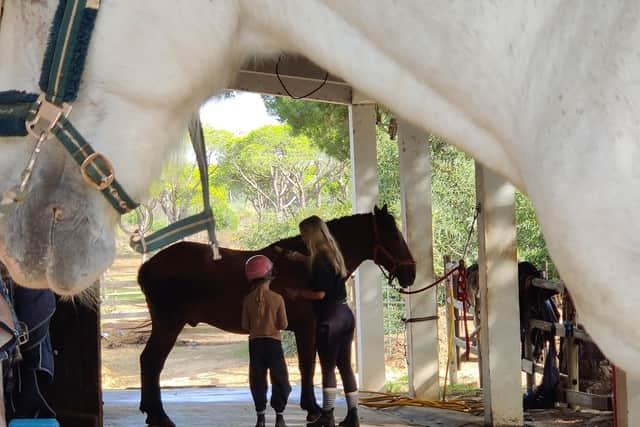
559 329
628 400
587 400
498 276
548 284
299 75
268 84
415 196
370 321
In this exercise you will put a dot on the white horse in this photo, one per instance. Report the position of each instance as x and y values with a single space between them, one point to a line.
545 93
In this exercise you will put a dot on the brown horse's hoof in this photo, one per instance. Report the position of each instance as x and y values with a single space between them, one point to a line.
159 421
313 416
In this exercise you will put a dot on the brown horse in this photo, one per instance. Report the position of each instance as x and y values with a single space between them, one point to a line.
184 285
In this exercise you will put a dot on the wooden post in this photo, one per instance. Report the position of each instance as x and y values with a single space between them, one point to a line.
627 400
498 277
369 321
451 318
528 352
573 374
415 192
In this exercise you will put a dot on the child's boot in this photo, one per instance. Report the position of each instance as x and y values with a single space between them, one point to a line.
352 419
280 421
326 419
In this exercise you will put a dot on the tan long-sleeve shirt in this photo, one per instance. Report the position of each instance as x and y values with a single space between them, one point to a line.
272 320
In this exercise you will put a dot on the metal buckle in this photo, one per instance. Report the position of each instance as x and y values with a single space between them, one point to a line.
23 333
106 181
46 118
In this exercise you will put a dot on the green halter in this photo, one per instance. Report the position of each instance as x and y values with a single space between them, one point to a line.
44 117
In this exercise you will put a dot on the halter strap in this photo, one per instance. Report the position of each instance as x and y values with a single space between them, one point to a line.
44 116
190 225
378 248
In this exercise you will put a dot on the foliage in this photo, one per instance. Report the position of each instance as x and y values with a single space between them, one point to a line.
531 244
178 192
326 125
278 172
270 229
453 202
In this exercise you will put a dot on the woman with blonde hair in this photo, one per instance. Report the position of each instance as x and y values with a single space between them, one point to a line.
336 323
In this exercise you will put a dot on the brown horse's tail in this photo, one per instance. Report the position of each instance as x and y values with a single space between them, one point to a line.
143 276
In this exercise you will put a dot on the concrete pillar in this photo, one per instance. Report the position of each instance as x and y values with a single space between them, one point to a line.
369 318
415 192
498 274
627 400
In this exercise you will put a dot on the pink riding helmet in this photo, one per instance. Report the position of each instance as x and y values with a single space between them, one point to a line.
258 267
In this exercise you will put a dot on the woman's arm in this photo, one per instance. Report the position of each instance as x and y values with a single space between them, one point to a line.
295 293
292 255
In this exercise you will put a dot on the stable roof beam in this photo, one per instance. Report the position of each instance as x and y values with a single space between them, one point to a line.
415 196
627 400
369 317
499 312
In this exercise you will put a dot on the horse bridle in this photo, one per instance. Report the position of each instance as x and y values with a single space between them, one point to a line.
379 249
44 117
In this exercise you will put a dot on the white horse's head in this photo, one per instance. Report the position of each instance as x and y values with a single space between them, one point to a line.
148 69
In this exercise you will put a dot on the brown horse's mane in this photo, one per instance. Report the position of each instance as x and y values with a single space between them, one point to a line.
341 228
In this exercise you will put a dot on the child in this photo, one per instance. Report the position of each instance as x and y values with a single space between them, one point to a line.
263 316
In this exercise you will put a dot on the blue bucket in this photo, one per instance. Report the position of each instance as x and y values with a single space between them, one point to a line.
34 422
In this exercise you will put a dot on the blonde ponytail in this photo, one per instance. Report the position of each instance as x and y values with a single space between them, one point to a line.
260 299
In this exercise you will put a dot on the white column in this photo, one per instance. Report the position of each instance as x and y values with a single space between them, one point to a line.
369 319
500 335
627 399
415 193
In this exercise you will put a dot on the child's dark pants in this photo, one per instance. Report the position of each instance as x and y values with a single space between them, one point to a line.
266 353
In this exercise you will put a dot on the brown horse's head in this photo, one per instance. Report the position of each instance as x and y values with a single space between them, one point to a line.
390 249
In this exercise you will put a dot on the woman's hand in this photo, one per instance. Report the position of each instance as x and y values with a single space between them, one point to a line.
292 293
289 254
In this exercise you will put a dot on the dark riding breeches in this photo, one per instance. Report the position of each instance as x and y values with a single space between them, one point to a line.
266 354
335 334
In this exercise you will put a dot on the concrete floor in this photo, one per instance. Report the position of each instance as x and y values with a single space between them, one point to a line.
189 407
233 407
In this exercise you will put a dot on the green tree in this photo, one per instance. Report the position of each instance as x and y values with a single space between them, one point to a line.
277 171
326 125
178 192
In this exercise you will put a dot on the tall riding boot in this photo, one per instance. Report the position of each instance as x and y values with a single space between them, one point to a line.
260 422
280 421
352 419
326 419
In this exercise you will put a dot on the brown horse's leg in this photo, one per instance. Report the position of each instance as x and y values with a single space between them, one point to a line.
306 344
163 337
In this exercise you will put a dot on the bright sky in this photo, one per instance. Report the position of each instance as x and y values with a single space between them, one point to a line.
240 114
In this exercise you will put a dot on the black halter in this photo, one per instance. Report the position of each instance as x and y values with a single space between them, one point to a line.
380 250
